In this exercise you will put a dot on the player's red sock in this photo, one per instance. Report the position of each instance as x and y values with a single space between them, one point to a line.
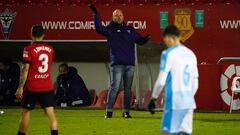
54 132
20 133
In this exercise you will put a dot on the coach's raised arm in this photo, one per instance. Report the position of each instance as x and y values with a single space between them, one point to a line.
121 40
117 22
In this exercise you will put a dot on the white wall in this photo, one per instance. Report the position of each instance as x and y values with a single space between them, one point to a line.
146 81
95 75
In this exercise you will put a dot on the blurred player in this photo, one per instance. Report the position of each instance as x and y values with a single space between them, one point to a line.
36 72
179 75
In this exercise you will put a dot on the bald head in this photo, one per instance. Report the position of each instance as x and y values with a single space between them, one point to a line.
118 16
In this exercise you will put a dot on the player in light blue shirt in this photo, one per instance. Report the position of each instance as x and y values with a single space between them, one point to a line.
179 75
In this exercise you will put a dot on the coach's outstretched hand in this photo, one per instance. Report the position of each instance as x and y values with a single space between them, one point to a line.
144 40
93 8
152 106
147 37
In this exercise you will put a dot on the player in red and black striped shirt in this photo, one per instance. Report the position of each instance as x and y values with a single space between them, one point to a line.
36 73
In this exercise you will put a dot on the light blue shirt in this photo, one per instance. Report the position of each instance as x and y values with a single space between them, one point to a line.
178 73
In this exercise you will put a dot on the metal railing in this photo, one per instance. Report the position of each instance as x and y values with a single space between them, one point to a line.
228 59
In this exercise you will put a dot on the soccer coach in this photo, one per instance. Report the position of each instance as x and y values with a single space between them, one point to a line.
121 40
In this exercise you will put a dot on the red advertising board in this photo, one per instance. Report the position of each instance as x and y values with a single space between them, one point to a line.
208 95
216 37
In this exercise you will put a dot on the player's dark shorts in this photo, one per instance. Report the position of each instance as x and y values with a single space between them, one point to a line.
46 99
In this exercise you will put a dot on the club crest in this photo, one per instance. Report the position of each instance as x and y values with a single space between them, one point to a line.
7 18
183 22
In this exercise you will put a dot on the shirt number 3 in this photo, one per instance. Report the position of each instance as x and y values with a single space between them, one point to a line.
44 67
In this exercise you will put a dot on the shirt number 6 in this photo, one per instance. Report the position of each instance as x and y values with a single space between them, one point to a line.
186 75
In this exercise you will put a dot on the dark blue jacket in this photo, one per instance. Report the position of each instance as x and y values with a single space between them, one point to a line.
71 87
10 80
120 39
9 83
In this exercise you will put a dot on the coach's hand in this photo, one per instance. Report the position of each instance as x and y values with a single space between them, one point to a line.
144 40
152 106
19 93
93 8
147 37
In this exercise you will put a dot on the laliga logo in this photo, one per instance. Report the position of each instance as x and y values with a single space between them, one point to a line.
225 85
7 18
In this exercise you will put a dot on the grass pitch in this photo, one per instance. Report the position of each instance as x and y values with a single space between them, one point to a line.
91 122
